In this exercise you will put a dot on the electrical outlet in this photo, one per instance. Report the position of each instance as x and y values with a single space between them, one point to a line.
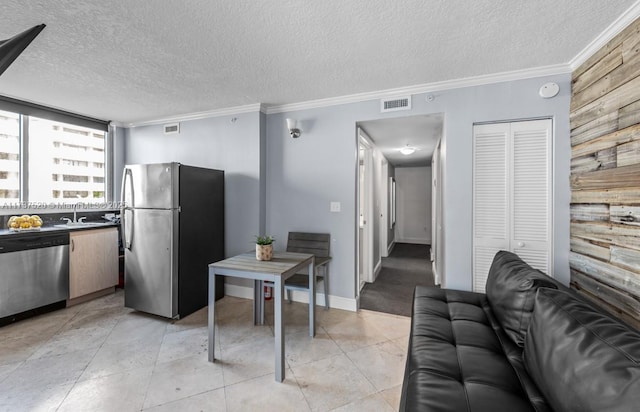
335 206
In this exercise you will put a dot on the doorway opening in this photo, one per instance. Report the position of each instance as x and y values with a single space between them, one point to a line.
394 229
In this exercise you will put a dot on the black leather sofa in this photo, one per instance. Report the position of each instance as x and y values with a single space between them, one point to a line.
528 344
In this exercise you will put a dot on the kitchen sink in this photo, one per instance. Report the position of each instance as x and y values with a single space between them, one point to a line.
83 224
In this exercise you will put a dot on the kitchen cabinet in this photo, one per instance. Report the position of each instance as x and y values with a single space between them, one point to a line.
93 263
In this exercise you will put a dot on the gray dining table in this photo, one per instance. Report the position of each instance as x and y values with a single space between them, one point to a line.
280 268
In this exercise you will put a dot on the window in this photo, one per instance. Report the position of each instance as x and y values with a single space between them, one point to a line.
9 157
66 162
48 156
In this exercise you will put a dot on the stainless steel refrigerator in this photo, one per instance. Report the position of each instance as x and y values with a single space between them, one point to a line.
172 228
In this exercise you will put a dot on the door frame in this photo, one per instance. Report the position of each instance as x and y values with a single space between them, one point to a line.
365 155
436 214
383 198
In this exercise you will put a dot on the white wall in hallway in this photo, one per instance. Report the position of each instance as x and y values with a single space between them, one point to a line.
413 202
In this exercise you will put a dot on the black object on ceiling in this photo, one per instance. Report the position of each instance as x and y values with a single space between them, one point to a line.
11 48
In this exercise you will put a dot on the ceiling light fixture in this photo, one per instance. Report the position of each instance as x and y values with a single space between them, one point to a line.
293 130
407 150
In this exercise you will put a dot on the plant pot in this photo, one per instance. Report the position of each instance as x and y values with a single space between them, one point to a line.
264 252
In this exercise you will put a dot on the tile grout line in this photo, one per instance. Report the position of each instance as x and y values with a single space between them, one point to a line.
155 363
88 363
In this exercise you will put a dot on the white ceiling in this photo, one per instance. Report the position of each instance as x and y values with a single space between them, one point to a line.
133 61
420 132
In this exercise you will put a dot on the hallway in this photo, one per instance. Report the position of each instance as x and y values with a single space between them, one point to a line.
407 266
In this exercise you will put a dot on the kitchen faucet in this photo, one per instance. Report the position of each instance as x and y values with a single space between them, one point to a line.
68 221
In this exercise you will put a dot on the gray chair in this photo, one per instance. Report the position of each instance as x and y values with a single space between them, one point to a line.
317 244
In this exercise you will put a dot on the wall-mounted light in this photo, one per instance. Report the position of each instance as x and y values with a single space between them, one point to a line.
294 131
407 150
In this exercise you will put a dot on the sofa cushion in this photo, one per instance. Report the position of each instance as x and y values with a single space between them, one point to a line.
455 360
580 358
511 291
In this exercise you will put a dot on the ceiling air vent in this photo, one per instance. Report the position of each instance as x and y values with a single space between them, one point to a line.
395 104
173 128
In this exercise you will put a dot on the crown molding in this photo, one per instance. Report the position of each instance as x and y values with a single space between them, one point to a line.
619 24
360 97
249 108
425 88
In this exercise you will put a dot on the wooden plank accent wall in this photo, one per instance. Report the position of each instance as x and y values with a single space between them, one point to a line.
605 177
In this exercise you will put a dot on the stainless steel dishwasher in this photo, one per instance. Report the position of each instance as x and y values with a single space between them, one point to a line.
34 271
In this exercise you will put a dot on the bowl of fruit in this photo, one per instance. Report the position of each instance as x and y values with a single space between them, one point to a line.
24 223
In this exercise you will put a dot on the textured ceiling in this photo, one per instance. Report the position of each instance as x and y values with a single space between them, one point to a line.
132 61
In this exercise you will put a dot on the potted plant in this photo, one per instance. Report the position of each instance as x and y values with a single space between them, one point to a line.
264 247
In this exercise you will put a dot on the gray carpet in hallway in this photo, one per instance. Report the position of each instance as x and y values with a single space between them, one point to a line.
407 266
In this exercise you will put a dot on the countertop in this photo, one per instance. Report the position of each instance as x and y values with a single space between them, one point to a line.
58 228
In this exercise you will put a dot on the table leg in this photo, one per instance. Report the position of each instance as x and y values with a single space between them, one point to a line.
278 325
312 299
258 304
212 314
261 300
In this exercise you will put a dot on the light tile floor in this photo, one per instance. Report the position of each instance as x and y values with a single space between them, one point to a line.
101 356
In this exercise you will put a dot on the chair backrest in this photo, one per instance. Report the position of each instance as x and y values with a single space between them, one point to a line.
315 243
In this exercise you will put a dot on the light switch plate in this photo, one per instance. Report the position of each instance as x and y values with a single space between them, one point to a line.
335 206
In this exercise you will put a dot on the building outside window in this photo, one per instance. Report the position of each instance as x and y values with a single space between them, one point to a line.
9 157
50 161
66 162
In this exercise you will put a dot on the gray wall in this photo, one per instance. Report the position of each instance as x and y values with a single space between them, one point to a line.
263 174
119 143
217 143
305 174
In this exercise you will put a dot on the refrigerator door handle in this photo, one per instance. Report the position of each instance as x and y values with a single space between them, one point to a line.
127 173
128 229
127 225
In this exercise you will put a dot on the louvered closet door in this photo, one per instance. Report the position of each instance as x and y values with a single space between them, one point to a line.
490 198
511 194
531 181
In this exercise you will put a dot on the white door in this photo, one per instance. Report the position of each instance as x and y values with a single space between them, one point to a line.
531 193
511 194
490 198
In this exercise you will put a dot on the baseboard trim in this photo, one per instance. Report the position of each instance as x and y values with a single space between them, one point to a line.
244 292
337 302
415 241
91 296
390 247
377 269
436 276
